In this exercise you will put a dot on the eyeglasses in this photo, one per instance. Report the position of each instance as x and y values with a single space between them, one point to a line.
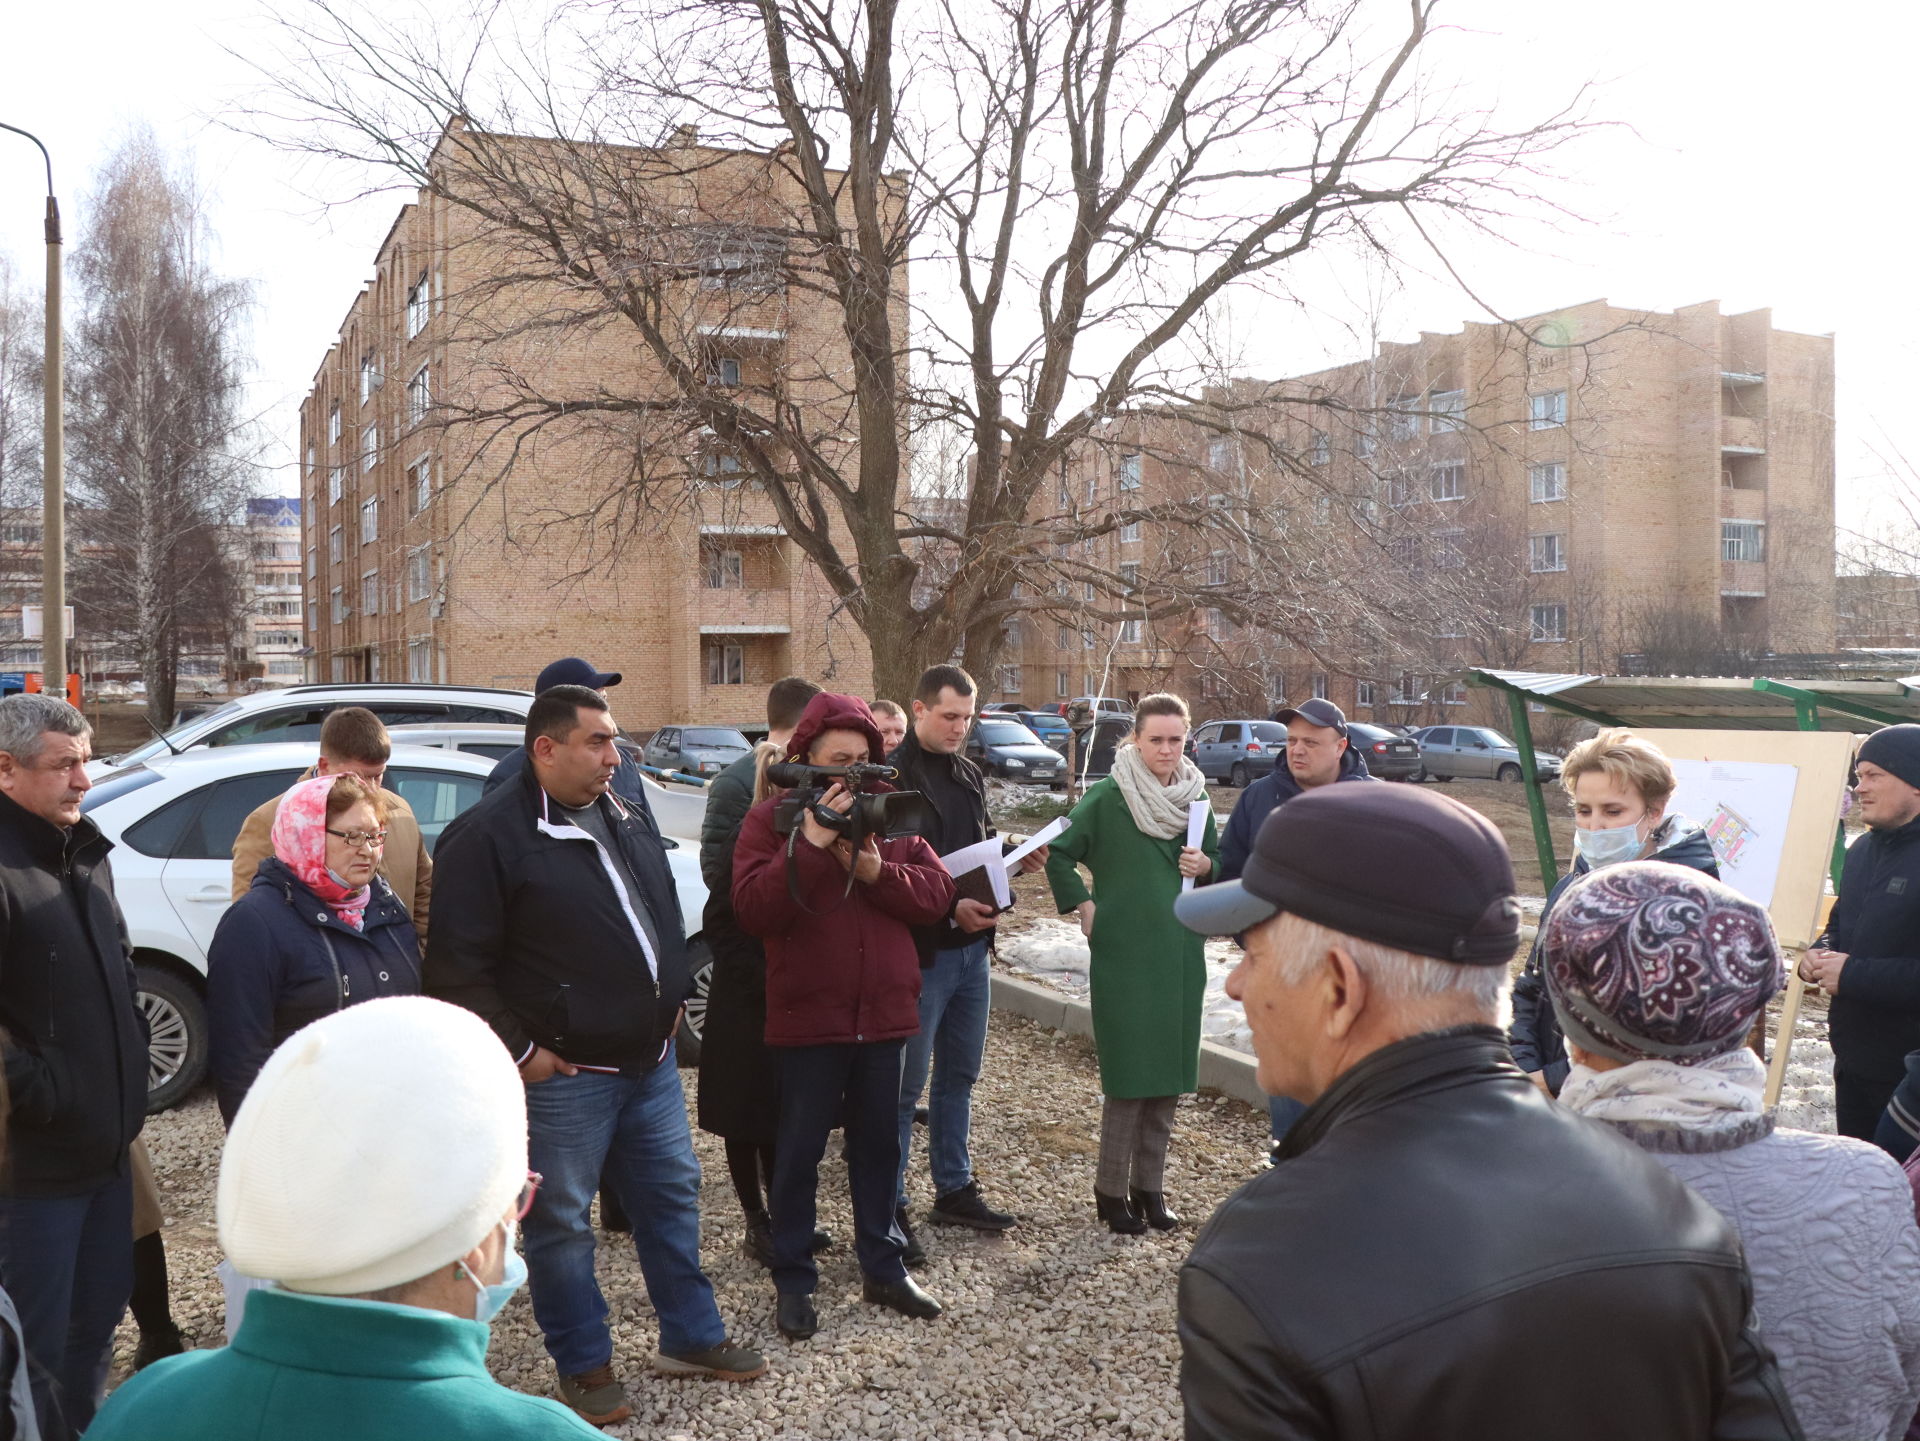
527 1193
361 840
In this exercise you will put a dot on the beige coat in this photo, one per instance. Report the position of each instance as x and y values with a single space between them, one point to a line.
405 863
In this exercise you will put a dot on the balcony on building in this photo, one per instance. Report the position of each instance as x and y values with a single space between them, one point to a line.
737 664
1743 435
1743 578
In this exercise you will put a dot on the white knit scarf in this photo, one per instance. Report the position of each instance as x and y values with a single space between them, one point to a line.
1158 810
1664 1106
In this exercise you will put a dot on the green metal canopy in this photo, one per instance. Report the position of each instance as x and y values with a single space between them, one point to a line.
1692 703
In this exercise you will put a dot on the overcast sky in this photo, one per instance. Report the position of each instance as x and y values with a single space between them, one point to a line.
1765 166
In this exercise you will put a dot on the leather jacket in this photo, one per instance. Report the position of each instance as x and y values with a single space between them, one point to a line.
1442 1252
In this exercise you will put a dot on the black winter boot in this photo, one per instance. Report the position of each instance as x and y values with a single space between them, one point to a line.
1151 1206
1119 1214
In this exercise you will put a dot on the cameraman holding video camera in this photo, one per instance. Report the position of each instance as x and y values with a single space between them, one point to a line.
821 877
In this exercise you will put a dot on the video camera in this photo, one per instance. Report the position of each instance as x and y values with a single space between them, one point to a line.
887 814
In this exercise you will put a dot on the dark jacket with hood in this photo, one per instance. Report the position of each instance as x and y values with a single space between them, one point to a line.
1260 799
957 816
1874 1016
1535 1036
739 1094
75 1043
1443 1252
281 959
842 966
532 930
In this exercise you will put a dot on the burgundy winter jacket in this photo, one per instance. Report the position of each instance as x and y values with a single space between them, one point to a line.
844 969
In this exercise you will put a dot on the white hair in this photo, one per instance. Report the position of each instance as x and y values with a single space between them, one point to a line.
1430 992
27 720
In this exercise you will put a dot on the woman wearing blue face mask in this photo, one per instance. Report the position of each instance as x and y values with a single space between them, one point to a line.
1620 784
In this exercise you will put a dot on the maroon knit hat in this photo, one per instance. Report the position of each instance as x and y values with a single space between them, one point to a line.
830 712
1651 961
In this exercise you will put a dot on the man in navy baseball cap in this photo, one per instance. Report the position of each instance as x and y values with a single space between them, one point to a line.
574 671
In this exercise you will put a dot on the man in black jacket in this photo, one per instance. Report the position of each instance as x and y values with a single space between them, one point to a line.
1442 1251
76 1064
556 920
1869 959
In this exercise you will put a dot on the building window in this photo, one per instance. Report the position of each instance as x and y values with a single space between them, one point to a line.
333 424
1449 408
1009 680
1220 455
1088 641
726 664
1060 687
369 520
1742 540
1403 418
1404 550
1130 575
1447 482
313 471
370 593
1546 552
420 483
1454 694
1548 622
748 261
420 661
1130 533
336 483
369 446
369 376
725 570
419 395
722 467
419 307
725 371
339 609
336 545
1320 450
1063 638
419 573
1399 488
1129 632
1212 685
1322 509
1547 482
1319 685
1448 549
1547 410
1363 439
1363 693
1217 568
1130 471
1012 631
1406 690
313 562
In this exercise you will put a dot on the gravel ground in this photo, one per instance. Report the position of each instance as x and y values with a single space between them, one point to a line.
1058 1329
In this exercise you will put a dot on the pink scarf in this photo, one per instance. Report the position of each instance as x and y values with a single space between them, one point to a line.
300 841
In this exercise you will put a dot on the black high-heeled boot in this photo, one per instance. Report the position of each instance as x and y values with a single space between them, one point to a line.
1118 1213
1151 1206
759 1240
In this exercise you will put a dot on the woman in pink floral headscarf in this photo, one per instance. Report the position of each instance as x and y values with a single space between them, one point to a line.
319 930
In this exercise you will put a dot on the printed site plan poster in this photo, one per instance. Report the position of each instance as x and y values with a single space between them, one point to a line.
1745 807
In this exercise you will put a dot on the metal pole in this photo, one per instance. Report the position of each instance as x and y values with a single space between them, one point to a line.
1530 778
53 530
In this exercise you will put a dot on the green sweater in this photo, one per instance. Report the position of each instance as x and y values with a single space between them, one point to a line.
312 1368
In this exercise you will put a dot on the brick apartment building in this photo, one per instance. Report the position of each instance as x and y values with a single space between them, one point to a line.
1619 489
430 557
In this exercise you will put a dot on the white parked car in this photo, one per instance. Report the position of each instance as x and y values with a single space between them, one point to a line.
173 820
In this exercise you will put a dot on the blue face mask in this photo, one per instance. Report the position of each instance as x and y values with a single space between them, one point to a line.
1610 846
493 1299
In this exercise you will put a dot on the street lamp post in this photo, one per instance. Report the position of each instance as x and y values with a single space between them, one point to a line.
53 533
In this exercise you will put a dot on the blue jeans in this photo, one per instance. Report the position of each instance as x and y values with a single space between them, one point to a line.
67 1262
955 998
821 1087
635 1129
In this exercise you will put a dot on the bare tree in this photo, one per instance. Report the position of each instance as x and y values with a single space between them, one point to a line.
158 357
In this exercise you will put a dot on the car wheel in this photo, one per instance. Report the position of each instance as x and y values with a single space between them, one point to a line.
177 1035
1508 772
1237 777
1419 774
693 1024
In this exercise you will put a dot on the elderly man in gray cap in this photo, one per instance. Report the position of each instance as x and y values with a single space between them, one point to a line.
1442 1252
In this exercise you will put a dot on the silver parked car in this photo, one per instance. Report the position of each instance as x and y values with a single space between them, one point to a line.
695 750
1238 752
1477 753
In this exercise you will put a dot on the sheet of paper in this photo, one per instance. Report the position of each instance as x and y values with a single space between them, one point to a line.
1197 813
1044 836
1744 806
982 855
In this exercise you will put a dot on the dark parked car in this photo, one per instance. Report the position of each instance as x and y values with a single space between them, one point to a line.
1001 746
1097 744
1389 756
1052 729
1238 752
696 750
1003 707
1478 753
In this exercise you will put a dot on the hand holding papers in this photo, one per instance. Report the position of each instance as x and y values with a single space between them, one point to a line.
980 871
1197 814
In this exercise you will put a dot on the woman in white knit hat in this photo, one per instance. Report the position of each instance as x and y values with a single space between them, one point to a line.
376 1172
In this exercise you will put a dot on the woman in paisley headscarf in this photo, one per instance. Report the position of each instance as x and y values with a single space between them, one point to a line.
318 931
1657 974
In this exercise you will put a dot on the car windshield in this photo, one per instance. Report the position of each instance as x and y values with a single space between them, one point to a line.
1361 731
1038 723
1006 733
158 747
1494 738
1267 731
716 736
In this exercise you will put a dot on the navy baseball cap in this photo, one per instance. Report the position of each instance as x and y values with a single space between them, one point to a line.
1383 863
1315 713
574 671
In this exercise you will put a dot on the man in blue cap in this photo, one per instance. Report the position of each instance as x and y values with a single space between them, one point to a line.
1869 958
575 671
1444 1251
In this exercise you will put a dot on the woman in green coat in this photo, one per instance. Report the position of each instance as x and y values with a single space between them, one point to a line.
1148 973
